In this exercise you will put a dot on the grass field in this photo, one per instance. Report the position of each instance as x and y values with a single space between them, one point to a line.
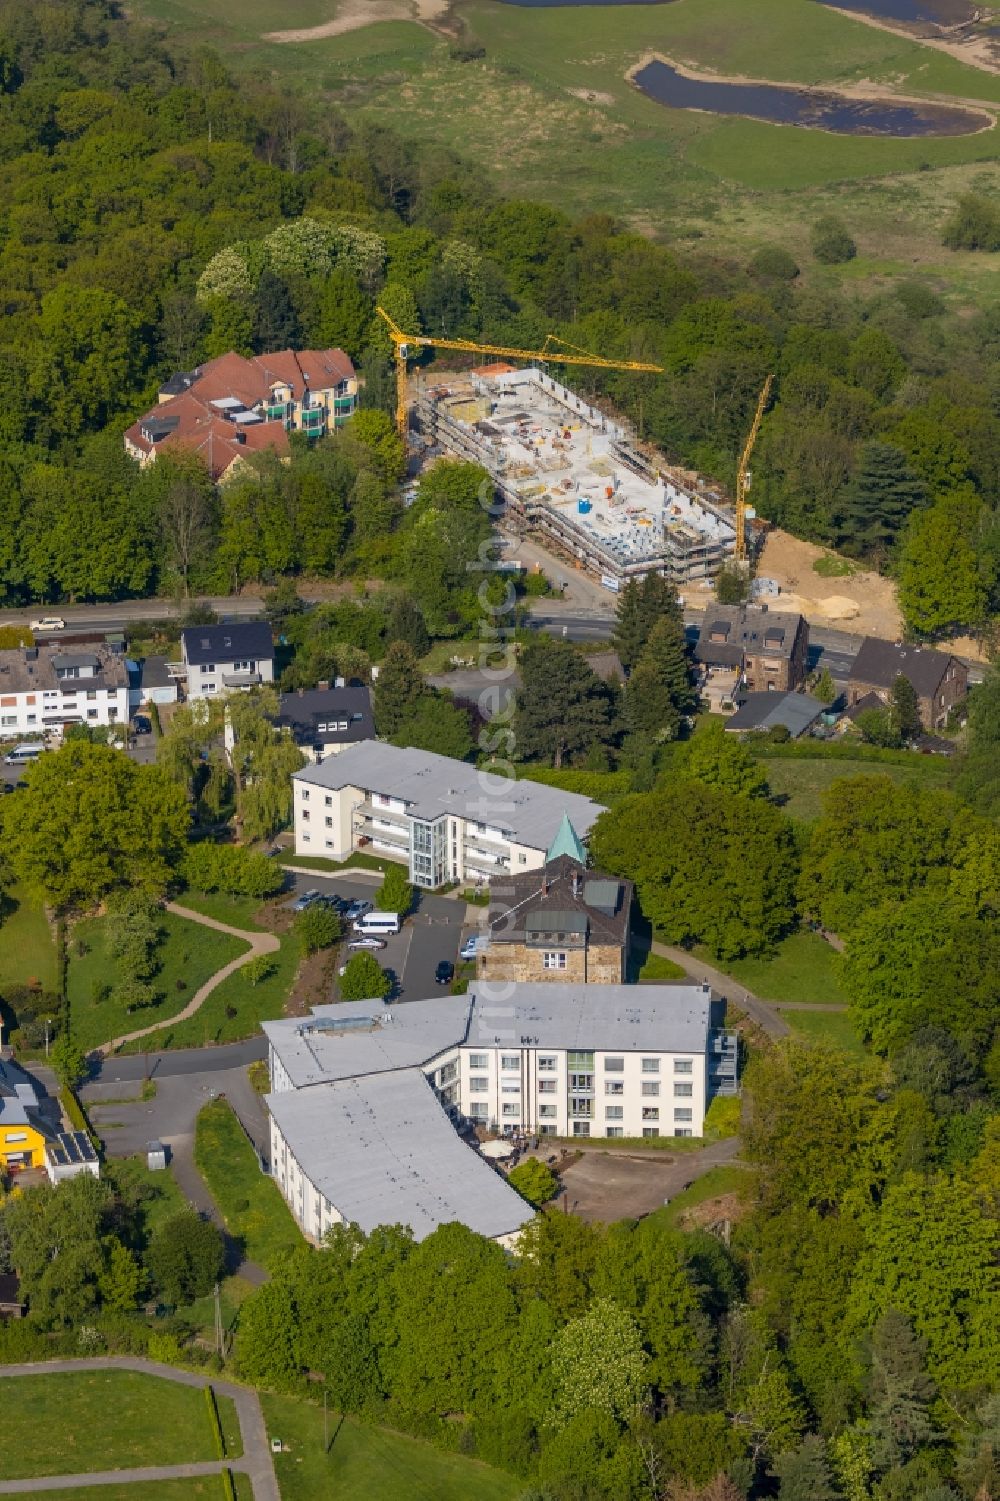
188 952
65 1423
161 1197
825 1026
656 967
802 782
715 1183
577 134
207 1488
803 968
27 950
250 1203
371 1464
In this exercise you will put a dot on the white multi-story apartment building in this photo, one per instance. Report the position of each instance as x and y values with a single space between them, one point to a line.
362 1093
445 820
221 659
45 688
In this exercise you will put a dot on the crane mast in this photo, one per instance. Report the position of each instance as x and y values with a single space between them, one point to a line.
743 476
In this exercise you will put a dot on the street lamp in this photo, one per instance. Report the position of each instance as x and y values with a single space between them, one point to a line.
48 1023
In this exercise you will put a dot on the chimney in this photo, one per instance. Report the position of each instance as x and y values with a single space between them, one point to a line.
323 686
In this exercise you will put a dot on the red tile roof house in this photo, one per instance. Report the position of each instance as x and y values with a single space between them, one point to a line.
233 407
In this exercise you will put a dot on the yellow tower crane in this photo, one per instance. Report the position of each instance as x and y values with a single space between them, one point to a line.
743 474
566 354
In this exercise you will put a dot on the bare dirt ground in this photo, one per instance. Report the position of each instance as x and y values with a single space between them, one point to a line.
355 14
861 602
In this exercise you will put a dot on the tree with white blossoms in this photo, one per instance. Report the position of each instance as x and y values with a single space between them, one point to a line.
361 252
599 1365
227 274
305 247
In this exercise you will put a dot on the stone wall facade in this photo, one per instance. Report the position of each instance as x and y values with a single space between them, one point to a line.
593 964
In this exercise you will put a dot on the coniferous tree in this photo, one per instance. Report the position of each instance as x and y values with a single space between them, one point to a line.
641 604
878 499
905 710
275 321
805 1473
406 623
659 690
563 707
900 1391
398 688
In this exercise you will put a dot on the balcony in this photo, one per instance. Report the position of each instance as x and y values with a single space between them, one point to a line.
393 835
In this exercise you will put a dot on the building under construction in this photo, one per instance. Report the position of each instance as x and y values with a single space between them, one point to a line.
574 476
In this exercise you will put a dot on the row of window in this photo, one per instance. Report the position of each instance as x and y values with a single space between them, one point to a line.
580 1064
480 1084
10 721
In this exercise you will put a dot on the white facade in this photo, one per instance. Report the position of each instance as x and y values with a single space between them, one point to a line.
209 679
42 695
557 1092
430 813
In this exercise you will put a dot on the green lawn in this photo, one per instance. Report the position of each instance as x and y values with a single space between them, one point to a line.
716 1182
825 1026
64 1423
250 1203
803 968
237 911
801 782
160 1197
208 1486
371 1464
235 1009
188 953
656 967
27 949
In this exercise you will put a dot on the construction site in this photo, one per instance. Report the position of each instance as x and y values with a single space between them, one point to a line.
576 478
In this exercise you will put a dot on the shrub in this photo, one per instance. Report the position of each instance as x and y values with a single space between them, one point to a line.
774 263
364 979
395 893
534 1181
831 244
975 224
231 868
318 927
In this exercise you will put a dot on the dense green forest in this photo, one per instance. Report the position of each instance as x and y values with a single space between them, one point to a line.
153 214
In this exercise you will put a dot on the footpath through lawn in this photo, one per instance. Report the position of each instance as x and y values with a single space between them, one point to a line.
68 1423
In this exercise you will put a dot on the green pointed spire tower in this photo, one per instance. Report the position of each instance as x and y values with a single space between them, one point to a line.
567 842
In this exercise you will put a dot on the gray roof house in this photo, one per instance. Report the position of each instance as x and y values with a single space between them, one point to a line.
323 720
798 712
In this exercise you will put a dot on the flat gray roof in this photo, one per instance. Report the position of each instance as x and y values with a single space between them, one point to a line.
432 785
592 1018
349 1039
382 1151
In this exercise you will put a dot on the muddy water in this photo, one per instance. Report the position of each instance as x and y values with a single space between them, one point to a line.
783 105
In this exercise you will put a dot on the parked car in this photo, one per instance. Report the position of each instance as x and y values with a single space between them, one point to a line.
306 900
357 909
445 972
338 903
141 725
470 947
48 623
365 943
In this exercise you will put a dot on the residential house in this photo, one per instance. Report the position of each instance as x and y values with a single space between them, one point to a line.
362 1093
795 712
233 407
157 683
44 688
226 658
323 721
939 680
12 1305
69 1155
445 820
750 647
25 1130
561 923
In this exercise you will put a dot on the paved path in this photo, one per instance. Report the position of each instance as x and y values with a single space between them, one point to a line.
762 1012
256 1461
259 943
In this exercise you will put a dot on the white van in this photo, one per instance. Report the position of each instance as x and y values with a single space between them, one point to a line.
377 924
22 754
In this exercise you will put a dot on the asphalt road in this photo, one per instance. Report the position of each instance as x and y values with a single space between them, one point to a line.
434 932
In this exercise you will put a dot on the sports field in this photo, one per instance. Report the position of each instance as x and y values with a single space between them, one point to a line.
548 113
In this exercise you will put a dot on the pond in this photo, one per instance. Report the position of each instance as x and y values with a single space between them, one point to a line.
783 105
915 12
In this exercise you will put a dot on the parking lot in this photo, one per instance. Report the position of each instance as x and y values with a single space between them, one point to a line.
433 932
